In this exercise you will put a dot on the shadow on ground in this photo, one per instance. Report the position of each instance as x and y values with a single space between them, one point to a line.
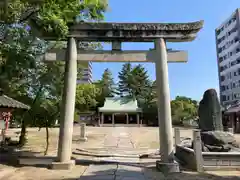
11 155
113 174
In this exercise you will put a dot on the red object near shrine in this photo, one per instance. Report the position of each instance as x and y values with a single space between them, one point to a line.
7 105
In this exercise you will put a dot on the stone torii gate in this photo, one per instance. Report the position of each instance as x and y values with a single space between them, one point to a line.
159 33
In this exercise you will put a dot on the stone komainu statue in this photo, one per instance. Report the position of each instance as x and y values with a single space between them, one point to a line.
209 112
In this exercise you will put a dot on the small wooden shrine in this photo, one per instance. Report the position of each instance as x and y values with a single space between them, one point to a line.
7 105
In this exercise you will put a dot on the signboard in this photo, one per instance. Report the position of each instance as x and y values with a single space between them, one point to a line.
2 124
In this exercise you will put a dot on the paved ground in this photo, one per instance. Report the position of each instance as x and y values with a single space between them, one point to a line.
118 141
130 142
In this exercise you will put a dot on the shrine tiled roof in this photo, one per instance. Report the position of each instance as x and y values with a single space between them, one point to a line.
119 104
7 102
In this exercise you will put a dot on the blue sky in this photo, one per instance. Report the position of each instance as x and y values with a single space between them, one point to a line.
200 73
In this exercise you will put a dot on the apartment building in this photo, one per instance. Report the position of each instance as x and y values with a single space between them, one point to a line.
85 74
228 58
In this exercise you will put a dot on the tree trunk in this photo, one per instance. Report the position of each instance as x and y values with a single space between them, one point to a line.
47 139
22 138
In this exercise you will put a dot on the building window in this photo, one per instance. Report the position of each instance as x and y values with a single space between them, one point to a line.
237 50
223 88
221 59
224 98
228 98
233 85
235 73
222 78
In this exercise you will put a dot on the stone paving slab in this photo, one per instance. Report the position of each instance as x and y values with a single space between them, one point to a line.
105 177
108 169
130 178
118 141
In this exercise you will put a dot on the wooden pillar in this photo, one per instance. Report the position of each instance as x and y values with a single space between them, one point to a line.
127 118
232 119
102 119
138 122
113 120
99 120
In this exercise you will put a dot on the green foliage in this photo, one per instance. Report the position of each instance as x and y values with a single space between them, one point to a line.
23 75
55 16
12 12
86 95
106 86
125 79
52 16
134 82
183 108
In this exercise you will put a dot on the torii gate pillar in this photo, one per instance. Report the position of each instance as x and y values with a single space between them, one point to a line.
68 108
167 163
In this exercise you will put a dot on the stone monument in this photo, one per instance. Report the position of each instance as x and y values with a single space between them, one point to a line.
214 139
209 112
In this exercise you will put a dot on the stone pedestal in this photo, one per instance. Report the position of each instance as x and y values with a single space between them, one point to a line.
177 136
68 107
83 136
63 165
167 167
197 145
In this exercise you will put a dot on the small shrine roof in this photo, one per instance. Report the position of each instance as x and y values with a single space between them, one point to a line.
7 102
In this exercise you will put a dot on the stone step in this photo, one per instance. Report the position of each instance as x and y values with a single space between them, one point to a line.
117 160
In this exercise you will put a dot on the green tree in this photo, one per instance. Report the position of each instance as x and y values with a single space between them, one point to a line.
140 84
106 86
52 16
183 108
134 82
124 80
23 75
86 95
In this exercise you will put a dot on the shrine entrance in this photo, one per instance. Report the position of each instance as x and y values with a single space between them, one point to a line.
117 33
120 118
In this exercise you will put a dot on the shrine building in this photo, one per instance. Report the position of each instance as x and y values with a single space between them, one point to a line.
119 110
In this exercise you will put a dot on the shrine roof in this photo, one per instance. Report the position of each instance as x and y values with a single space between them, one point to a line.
7 102
120 104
